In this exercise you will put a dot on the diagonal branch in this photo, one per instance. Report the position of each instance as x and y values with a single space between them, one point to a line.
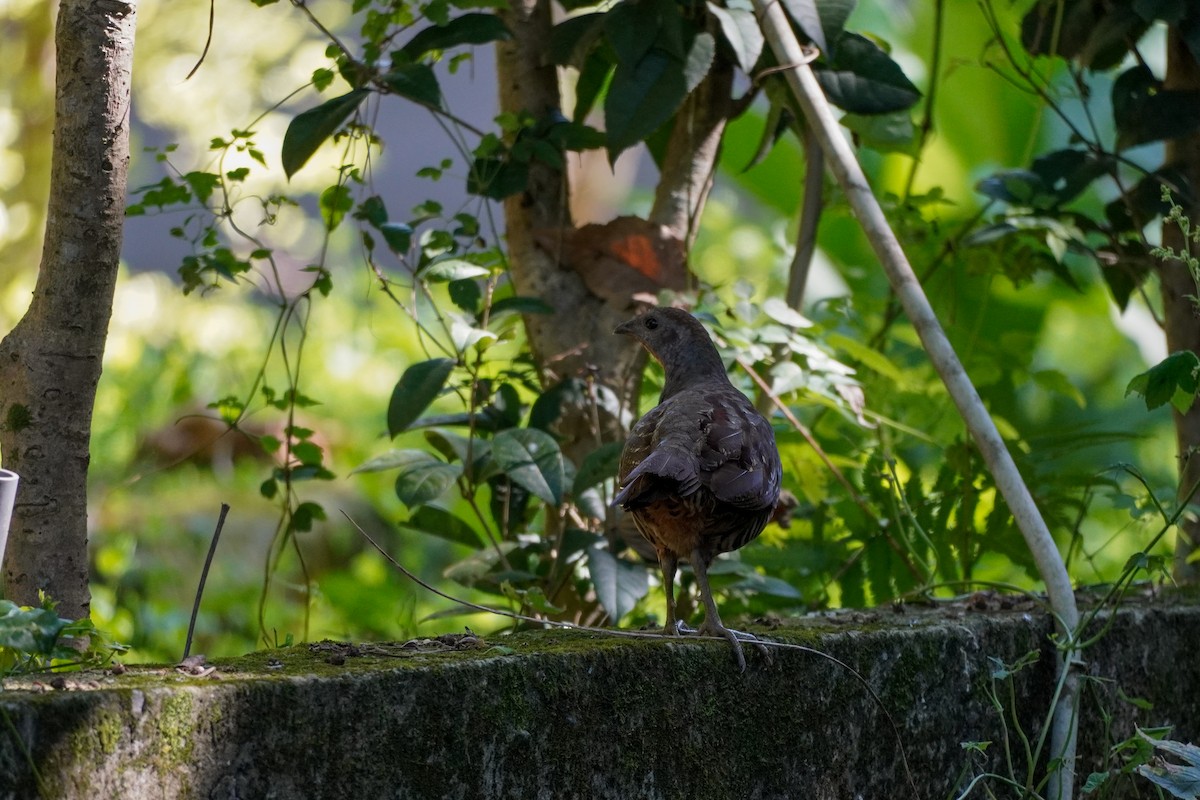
979 423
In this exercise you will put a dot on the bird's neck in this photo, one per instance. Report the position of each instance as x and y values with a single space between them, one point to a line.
682 374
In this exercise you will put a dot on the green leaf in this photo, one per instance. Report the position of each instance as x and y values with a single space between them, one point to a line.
308 130
335 203
521 305
641 98
594 80
202 184
532 459
415 390
1177 373
834 14
452 269
416 82
1094 781
597 466
497 177
740 28
804 13
423 478
619 584
438 522
397 235
571 40
467 29
632 30
887 133
862 79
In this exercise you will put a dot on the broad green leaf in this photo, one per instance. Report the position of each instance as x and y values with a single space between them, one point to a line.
1094 781
532 459
452 269
863 79
415 390
781 312
619 584
521 305
632 29
740 27
444 525
467 29
308 130
887 133
1173 376
571 40
424 478
804 13
641 98
834 14
597 466
416 82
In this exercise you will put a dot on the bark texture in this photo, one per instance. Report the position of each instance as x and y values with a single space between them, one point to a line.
1182 316
577 340
50 362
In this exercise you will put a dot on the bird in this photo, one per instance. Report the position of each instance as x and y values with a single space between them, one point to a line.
700 472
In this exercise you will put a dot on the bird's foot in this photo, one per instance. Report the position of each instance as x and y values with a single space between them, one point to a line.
736 638
679 628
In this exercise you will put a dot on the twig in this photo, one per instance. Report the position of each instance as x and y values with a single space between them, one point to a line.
212 549
646 635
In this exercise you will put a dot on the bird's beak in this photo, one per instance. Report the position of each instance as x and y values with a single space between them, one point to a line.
626 327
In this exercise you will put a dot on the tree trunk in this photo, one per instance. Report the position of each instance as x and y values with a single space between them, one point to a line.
577 339
1182 315
50 362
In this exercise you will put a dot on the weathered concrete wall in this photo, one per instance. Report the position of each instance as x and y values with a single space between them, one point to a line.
569 715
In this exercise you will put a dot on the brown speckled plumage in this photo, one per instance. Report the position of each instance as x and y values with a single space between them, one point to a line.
700 473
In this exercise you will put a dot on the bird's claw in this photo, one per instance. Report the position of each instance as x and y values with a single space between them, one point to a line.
735 638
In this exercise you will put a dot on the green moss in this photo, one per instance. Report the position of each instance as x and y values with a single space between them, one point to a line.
18 418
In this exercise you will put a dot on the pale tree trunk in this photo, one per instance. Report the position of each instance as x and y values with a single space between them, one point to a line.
1182 315
50 362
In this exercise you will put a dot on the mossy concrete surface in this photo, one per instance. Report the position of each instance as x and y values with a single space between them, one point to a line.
576 715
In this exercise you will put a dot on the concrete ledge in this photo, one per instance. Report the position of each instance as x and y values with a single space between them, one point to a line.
563 715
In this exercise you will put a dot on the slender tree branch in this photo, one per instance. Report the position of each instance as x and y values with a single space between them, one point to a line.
979 423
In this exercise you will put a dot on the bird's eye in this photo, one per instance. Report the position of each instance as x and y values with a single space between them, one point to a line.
651 323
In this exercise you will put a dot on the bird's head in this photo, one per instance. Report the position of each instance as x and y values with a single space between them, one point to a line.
678 341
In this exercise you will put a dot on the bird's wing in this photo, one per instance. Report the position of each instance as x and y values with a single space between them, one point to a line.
739 462
659 458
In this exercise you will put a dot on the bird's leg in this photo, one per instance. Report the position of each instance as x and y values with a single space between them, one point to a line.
712 625
668 561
